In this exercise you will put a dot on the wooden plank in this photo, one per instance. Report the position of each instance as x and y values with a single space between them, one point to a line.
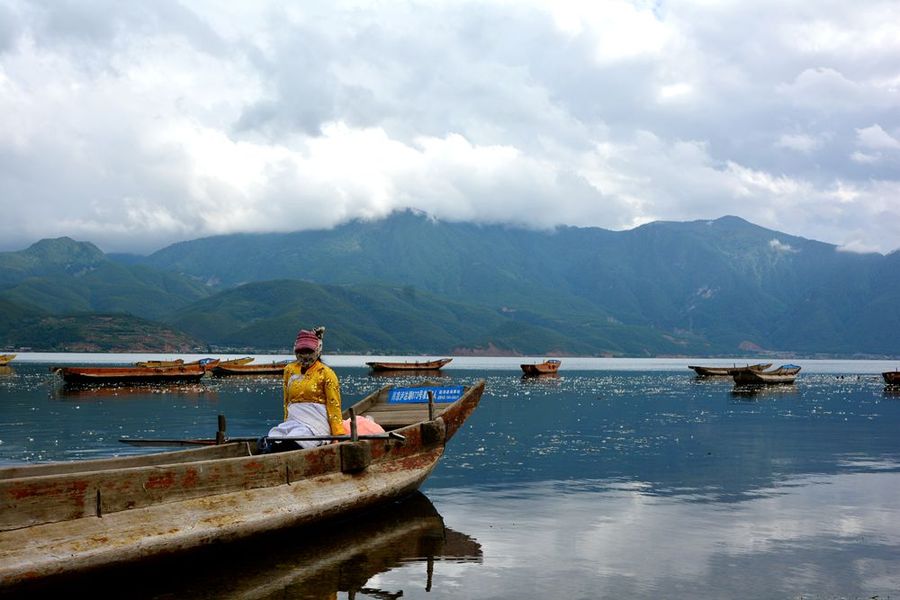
122 462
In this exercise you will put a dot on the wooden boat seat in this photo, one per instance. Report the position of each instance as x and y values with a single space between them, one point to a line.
393 416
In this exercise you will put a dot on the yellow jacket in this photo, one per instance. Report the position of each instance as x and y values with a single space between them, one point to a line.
319 384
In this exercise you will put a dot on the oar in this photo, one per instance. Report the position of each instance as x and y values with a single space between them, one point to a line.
309 438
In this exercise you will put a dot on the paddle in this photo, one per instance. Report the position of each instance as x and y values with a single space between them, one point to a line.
212 442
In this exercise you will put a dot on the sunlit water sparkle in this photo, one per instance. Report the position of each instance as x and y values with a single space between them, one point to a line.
601 482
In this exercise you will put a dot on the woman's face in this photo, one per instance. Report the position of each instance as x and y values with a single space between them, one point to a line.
306 357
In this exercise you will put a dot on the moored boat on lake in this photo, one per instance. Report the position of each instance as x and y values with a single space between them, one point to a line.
891 377
208 362
129 375
273 368
423 365
547 367
5 359
59 518
702 371
783 374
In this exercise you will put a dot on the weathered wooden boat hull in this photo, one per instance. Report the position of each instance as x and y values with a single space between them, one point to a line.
891 377
125 375
428 365
544 368
726 371
67 517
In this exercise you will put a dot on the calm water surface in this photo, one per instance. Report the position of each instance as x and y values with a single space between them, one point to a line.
616 478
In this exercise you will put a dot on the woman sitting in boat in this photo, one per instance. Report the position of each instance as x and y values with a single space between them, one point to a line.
312 396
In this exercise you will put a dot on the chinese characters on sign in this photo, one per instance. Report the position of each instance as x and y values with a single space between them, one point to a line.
450 393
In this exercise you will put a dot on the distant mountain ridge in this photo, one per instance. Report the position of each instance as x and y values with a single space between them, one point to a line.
412 284
727 281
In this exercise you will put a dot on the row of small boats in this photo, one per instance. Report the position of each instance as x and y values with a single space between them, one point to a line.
179 371
547 367
760 374
173 371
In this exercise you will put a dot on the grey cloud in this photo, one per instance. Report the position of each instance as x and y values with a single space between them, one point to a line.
140 141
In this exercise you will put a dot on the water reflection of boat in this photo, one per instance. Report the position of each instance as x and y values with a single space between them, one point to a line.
751 392
88 391
6 370
130 375
418 365
299 563
892 391
273 368
539 376
408 373
157 505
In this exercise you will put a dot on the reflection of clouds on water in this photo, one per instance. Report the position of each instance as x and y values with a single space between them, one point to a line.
553 539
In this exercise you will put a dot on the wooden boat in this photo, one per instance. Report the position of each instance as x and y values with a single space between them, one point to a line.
163 363
783 374
207 363
60 518
273 368
726 371
545 368
424 365
231 362
5 359
129 375
891 377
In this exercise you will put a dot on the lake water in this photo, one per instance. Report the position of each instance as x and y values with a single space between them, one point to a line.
618 478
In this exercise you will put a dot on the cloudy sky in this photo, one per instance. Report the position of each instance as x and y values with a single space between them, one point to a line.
137 124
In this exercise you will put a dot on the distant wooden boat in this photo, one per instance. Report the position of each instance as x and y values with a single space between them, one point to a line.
209 363
726 371
129 375
273 368
64 518
891 377
783 374
424 365
5 359
545 368
231 362
163 363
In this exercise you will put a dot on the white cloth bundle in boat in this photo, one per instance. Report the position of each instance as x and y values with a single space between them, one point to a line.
304 419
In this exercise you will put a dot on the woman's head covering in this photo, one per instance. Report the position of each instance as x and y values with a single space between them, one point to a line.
309 341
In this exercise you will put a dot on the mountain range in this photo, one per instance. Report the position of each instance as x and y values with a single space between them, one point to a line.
410 284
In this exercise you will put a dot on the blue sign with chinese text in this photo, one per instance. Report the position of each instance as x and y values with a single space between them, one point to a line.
449 393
